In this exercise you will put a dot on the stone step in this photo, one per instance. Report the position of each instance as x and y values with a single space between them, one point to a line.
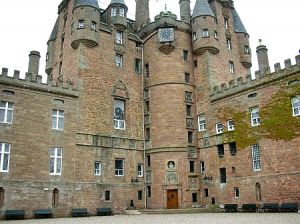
175 211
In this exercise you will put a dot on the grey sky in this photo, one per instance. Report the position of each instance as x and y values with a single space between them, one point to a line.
27 24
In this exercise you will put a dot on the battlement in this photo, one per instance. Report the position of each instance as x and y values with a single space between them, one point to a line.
264 77
34 82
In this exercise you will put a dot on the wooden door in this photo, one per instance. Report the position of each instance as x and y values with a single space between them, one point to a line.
172 199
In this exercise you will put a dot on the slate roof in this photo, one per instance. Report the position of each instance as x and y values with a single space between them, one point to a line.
118 1
202 8
54 31
238 25
93 3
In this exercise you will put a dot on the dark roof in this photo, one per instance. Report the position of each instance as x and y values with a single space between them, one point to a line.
238 25
118 1
54 31
202 8
93 3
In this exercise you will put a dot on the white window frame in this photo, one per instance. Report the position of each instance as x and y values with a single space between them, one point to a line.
255 118
119 124
296 106
194 36
119 60
120 172
56 157
113 11
4 156
247 49
140 170
93 26
228 44
97 168
236 189
256 158
57 117
119 37
226 23
231 67
219 128
80 24
230 125
205 33
201 123
202 166
8 108
216 35
121 12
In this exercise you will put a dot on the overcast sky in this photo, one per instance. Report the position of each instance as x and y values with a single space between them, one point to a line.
26 25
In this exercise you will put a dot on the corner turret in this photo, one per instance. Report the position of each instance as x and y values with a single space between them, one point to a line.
86 19
185 10
50 49
117 14
141 13
204 29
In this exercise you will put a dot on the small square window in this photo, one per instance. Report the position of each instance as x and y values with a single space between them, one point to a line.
140 195
194 197
206 192
107 195
140 170
97 169
236 192
220 150
232 148
185 55
205 33
219 128
201 123
80 24
187 77
255 119
119 60
231 67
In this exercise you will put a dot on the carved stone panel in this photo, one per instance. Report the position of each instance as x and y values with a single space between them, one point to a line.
188 97
193 184
171 178
190 123
148 177
192 152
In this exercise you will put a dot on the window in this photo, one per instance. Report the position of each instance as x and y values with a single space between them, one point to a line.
97 169
192 166
119 60
57 119
147 70
140 170
119 167
93 25
147 134
194 197
233 170
149 191
219 128
228 43
205 33
4 157
258 191
55 161
55 194
232 148
201 123
188 110
187 77
119 114
185 55
6 112
81 24
62 43
223 175
122 11
148 160
190 137
202 166
140 195
226 23
231 67
216 35
236 192
296 106
220 150
246 49
137 65
206 192
255 119
195 64
113 11
47 56
230 125
60 68
256 157
119 37
1 197
194 36
65 22
107 195
147 107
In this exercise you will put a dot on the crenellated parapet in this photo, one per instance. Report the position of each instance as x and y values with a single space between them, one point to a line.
34 82
262 77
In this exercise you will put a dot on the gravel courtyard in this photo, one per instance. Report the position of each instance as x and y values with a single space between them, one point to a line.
205 218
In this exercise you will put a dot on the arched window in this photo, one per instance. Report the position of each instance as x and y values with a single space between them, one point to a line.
1 197
55 197
258 192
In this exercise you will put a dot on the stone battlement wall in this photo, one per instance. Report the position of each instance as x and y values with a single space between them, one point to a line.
261 78
34 82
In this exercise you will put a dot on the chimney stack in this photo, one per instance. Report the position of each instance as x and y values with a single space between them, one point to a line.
262 56
34 62
185 10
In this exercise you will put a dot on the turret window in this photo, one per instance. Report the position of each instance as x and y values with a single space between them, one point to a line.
113 11
246 49
119 60
228 43
205 33
226 23
194 36
296 106
216 35
119 37
121 11
81 24
93 26
231 67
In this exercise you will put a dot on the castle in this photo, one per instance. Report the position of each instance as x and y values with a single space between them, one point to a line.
164 113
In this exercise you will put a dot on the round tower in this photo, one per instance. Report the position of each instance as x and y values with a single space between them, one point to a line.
50 49
262 56
86 19
117 14
204 26
185 10
141 12
243 40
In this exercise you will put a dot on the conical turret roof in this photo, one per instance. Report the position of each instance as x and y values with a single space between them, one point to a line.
118 1
202 8
93 3
54 31
238 25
